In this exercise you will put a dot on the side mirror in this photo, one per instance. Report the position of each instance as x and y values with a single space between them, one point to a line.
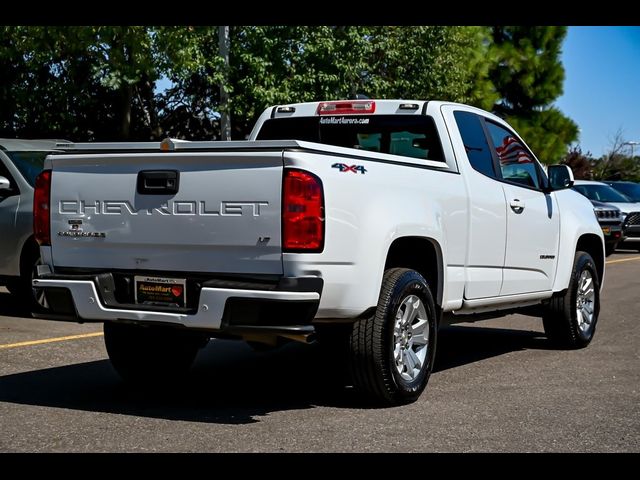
4 184
560 177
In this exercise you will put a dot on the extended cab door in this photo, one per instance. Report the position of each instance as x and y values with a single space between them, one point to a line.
532 216
486 242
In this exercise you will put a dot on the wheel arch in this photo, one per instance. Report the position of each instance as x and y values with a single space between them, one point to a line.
29 249
422 254
592 244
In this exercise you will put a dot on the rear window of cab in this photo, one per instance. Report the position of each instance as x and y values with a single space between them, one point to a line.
412 136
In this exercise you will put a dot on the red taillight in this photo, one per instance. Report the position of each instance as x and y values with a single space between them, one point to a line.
302 212
41 201
346 108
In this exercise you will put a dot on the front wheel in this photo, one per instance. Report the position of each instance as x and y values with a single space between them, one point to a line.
392 352
570 318
609 248
144 355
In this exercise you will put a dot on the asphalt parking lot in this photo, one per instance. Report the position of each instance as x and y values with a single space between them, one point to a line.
497 386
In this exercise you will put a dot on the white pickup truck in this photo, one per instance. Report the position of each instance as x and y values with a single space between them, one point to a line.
377 215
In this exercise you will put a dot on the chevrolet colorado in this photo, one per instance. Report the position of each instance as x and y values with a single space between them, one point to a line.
366 220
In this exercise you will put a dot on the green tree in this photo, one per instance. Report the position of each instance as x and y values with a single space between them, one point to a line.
528 76
440 63
581 163
86 83
617 163
98 83
286 64
47 84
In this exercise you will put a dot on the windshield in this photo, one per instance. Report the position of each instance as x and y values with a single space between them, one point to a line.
631 190
406 135
30 164
601 193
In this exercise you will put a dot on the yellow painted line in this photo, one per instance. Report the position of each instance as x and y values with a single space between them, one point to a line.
622 260
50 340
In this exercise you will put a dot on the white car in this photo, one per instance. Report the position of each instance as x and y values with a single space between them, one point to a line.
630 209
375 215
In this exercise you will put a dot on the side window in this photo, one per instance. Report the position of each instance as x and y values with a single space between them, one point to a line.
475 142
516 162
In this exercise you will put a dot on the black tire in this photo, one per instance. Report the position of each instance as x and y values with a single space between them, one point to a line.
144 355
609 248
372 362
260 347
560 318
30 298
14 287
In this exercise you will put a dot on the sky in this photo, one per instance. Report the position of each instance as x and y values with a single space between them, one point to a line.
602 84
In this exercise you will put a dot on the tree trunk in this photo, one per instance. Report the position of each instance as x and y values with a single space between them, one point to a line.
225 114
127 97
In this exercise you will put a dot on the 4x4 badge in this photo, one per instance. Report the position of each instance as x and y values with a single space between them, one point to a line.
343 167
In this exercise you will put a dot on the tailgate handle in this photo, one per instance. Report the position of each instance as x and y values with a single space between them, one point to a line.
158 182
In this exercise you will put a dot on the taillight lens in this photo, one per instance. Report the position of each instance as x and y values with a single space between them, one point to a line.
302 212
41 212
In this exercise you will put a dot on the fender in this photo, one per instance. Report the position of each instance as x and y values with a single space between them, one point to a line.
576 219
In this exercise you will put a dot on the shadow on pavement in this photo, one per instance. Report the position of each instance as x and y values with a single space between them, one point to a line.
231 384
460 345
10 307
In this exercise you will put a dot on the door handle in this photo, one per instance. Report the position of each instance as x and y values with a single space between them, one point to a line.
517 205
158 182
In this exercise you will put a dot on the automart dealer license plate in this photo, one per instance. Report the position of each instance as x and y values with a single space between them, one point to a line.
169 291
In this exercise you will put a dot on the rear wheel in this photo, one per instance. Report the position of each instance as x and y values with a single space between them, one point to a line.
392 352
30 298
143 355
37 298
13 286
570 318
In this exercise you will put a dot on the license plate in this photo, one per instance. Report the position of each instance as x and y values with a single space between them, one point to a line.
157 290
606 230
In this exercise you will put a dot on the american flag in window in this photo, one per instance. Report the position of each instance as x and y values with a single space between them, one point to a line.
512 151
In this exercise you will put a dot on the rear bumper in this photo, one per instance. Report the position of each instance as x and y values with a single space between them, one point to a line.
288 308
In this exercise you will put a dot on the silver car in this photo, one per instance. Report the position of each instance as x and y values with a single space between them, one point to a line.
20 162
602 192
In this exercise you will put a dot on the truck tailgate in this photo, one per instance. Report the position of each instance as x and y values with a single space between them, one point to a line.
224 218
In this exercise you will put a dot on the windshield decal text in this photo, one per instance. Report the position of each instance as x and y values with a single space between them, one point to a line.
344 121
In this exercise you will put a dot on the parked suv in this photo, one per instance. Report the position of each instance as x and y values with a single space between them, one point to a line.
629 189
20 162
631 222
610 220
602 192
